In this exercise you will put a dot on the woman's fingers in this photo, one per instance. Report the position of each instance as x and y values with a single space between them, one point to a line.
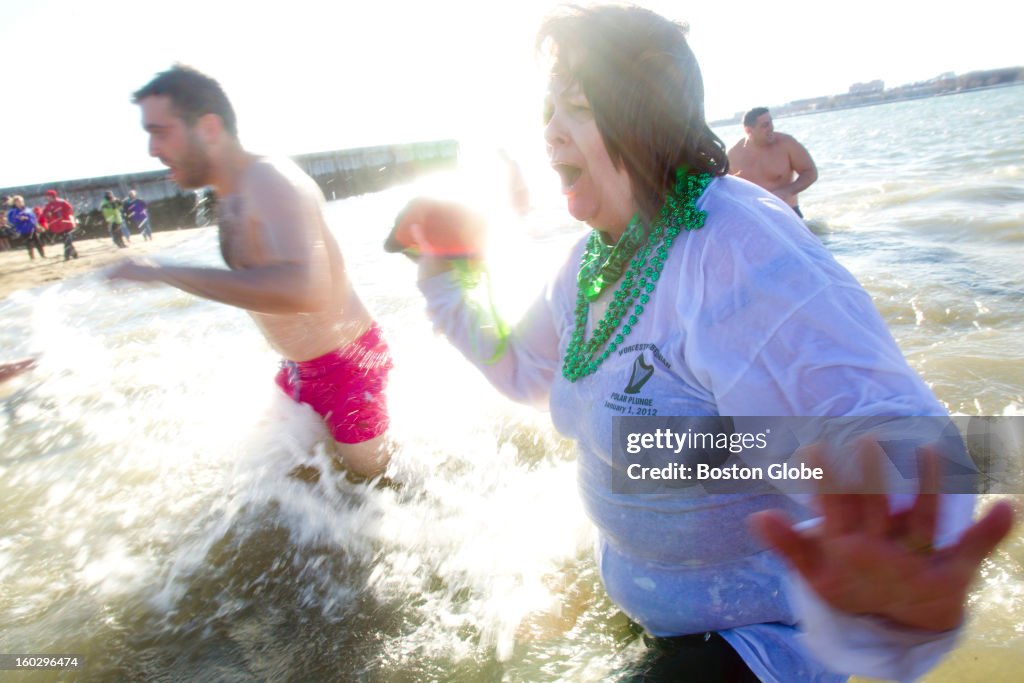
874 505
982 537
839 510
776 530
924 512
848 504
439 228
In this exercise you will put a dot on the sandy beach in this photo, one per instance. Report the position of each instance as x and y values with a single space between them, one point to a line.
17 271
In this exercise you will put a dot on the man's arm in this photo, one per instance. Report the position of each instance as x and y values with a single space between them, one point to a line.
803 165
273 288
296 275
734 159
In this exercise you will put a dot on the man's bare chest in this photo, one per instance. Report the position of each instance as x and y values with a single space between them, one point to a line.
769 167
241 243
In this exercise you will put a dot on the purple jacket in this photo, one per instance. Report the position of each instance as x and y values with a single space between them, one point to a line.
23 221
136 209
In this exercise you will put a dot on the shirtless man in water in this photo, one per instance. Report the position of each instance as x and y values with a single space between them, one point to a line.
286 269
771 159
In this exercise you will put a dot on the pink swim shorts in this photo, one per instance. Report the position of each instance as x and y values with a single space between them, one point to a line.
346 387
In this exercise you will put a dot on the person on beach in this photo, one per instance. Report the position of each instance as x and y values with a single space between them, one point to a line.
6 231
44 229
698 294
775 161
285 267
137 215
61 218
111 210
26 225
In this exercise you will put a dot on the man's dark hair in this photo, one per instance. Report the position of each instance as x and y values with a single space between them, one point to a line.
751 117
192 94
645 88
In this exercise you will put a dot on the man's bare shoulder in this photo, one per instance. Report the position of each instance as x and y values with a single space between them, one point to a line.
786 140
738 147
269 171
279 178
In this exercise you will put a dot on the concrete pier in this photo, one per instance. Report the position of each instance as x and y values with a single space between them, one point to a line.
340 173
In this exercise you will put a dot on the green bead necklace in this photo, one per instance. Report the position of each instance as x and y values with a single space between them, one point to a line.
601 265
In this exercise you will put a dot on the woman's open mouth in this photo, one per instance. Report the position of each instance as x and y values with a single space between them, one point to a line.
569 174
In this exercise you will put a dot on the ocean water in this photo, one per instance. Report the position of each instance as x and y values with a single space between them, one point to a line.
149 522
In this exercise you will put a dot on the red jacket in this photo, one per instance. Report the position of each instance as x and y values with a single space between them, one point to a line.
59 215
40 218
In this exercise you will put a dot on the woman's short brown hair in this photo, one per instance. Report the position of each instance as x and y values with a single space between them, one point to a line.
645 88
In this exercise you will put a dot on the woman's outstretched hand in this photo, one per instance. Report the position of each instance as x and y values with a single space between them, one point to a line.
864 559
438 229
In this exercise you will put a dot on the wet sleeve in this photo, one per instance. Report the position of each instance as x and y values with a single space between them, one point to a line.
520 364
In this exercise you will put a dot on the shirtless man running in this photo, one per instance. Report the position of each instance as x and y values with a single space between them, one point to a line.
286 268
771 159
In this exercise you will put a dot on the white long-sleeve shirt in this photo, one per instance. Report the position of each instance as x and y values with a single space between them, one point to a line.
751 316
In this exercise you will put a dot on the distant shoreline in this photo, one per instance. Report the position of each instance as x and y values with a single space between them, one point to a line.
910 96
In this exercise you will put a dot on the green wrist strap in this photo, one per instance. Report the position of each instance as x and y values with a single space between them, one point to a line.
470 274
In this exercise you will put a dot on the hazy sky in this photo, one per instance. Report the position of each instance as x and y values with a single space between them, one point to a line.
311 75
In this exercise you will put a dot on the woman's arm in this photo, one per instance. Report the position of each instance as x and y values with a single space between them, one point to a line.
521 362
447 240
